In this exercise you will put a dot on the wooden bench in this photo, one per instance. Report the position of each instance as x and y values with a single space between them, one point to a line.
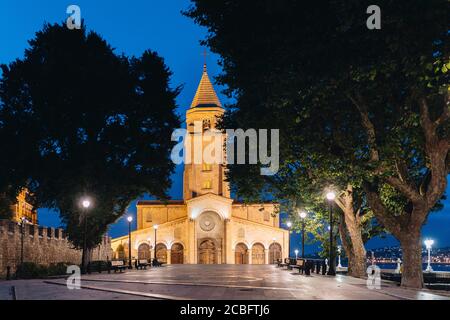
156 263
142 264
284 264
118 265
300 265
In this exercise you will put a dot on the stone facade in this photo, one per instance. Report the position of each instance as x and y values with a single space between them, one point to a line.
42 245
207 226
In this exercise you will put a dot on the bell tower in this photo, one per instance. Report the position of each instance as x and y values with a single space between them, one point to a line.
203 176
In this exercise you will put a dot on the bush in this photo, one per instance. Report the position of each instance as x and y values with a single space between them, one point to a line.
31 270
57 269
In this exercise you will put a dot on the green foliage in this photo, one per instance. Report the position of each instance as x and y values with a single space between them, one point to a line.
5 207
31 270
310 69
77 119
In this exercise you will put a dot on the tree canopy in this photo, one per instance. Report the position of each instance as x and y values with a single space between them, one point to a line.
79 120
370 105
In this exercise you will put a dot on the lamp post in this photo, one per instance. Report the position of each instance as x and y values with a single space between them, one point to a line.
296 254
429 243
339 257
332 269
303 215
86 204
154 254
130 219
289 225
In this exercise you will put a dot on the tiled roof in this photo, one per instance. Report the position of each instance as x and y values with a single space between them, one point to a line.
205 95
159 202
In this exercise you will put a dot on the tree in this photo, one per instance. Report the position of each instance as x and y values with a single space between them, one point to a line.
86 122
377 100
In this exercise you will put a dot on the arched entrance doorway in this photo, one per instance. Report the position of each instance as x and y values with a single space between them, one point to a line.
177 254
207 252
144 252
241 254
120 252
274 253
161 253
258 254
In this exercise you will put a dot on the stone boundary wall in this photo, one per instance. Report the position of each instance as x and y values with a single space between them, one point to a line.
42 245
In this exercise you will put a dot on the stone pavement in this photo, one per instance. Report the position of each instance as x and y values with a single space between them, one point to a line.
218 282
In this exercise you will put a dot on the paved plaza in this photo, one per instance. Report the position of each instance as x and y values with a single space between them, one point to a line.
217 282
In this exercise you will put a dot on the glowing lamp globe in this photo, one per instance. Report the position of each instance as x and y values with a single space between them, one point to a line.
429 243
331 196
86 203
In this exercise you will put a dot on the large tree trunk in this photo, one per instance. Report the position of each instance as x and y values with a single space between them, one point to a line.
347 245
412 275
406 228
85 258
352 221
359 251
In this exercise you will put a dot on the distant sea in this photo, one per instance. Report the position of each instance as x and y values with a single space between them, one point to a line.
435 266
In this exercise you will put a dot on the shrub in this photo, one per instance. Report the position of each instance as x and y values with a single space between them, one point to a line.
31 270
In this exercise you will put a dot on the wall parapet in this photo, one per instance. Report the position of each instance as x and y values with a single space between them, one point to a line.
42 245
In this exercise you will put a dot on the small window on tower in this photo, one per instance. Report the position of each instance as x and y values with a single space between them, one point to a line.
207 184
207 167
148 217
266 216
206 124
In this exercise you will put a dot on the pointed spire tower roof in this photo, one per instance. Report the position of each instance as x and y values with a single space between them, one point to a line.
205 95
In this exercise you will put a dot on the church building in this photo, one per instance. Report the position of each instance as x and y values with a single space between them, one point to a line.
207 226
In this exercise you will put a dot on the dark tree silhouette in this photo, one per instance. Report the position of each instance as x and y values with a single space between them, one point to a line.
78 120
373 104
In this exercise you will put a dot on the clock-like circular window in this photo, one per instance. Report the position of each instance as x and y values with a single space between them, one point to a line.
207 221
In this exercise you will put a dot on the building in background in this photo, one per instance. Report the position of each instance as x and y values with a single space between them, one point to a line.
207 226
23 209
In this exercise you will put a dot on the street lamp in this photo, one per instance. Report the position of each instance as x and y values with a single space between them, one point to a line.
154 254
339 257
303 216
429 243
289 225
332 269
130 219
296 254
85 204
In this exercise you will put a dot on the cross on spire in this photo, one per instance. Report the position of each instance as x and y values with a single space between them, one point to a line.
205 54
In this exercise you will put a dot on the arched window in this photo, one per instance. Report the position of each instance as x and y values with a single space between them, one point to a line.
207 184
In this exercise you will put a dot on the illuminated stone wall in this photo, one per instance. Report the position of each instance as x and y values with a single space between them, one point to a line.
42 245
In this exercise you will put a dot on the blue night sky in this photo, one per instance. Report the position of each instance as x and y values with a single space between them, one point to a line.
132 27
